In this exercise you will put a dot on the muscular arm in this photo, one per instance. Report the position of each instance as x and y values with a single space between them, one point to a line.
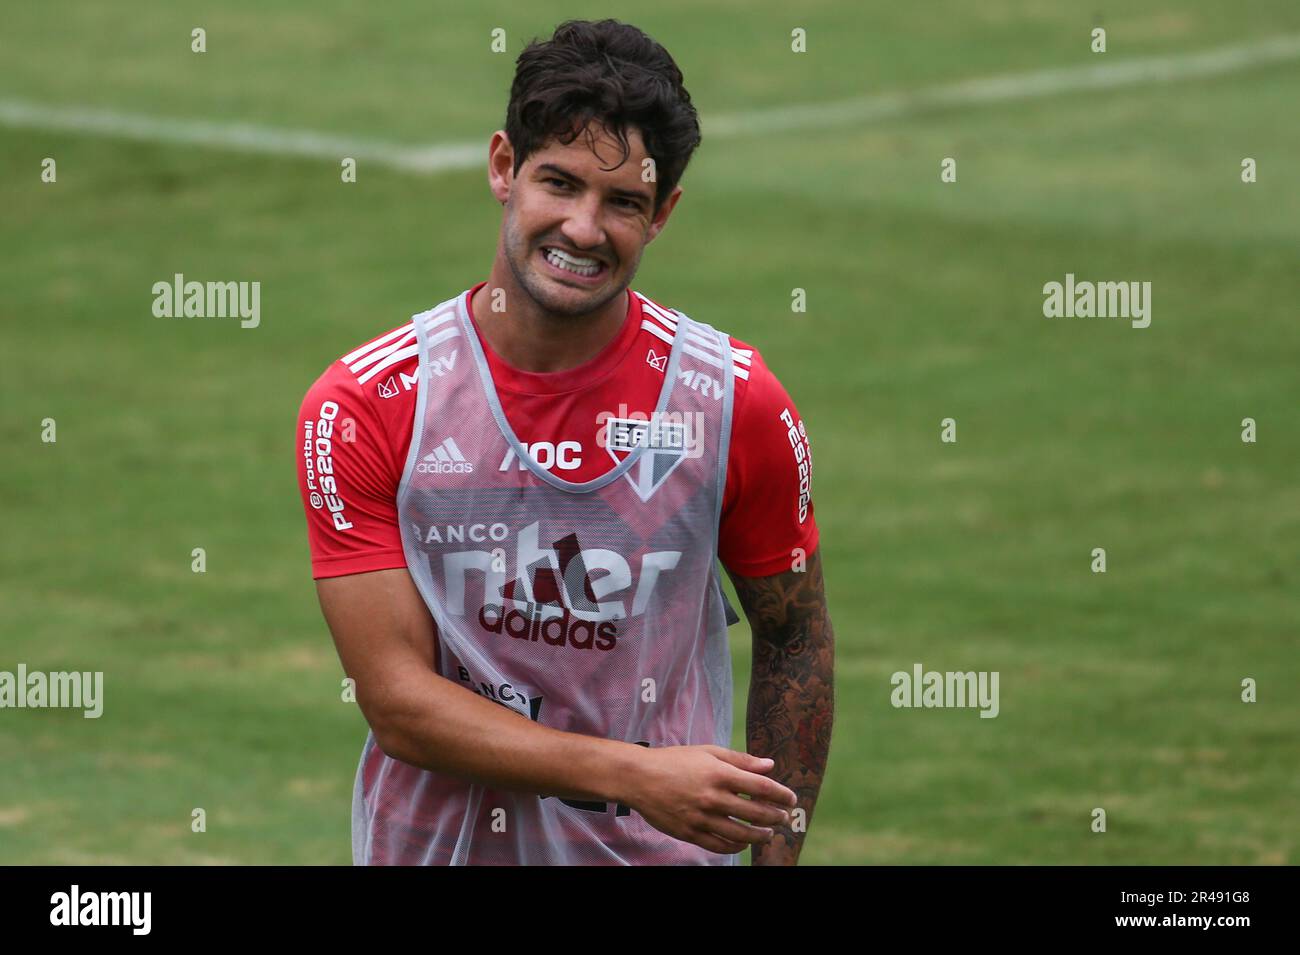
791 689
385 640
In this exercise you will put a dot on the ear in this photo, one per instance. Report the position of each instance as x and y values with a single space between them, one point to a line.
501 165
661 217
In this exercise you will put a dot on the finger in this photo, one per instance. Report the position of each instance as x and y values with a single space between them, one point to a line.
755 811
708 840
732 830
745 761
762 788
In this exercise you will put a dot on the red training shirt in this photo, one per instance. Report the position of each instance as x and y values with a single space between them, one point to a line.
352 525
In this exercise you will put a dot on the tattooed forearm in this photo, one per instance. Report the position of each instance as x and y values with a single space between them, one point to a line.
791 689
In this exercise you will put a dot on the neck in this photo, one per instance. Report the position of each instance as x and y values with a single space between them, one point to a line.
531 339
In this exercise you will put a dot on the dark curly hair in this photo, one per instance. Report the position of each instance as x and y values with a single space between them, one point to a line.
610 72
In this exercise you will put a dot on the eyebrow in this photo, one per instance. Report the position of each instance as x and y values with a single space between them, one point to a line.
560 171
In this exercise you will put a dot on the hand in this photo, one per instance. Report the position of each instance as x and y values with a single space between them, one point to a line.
691 793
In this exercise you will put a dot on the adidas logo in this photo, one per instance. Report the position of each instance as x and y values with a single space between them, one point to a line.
445 459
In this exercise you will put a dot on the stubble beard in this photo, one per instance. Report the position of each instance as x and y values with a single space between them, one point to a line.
519 256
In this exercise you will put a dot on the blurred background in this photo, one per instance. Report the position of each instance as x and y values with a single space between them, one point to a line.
1119 690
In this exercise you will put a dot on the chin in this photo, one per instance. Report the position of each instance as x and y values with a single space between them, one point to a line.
571 302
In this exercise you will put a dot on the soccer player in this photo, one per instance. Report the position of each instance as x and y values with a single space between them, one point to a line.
517 502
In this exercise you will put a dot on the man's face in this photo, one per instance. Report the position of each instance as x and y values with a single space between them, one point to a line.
574 229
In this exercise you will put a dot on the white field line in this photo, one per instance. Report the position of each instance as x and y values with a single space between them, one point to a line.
434 158
241 137
1105 74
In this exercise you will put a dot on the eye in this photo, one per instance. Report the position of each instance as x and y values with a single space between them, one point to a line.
557 179
630 204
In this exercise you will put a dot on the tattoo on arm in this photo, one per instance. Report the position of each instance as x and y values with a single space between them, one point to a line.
791 690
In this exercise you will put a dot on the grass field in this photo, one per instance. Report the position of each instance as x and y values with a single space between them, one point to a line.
1119 690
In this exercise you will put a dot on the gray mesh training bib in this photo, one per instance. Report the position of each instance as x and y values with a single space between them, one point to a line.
593 607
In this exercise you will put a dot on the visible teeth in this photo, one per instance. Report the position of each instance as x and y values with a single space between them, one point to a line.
570 263
574 259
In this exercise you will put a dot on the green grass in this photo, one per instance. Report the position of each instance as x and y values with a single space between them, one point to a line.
1119 691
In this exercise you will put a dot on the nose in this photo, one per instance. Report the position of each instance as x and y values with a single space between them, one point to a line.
582 227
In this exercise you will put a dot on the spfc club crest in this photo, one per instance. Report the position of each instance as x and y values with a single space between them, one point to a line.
666 446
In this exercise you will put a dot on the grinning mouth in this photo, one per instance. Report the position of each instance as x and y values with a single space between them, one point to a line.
579 265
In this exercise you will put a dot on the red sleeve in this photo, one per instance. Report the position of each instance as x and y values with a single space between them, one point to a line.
767 509
348 476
